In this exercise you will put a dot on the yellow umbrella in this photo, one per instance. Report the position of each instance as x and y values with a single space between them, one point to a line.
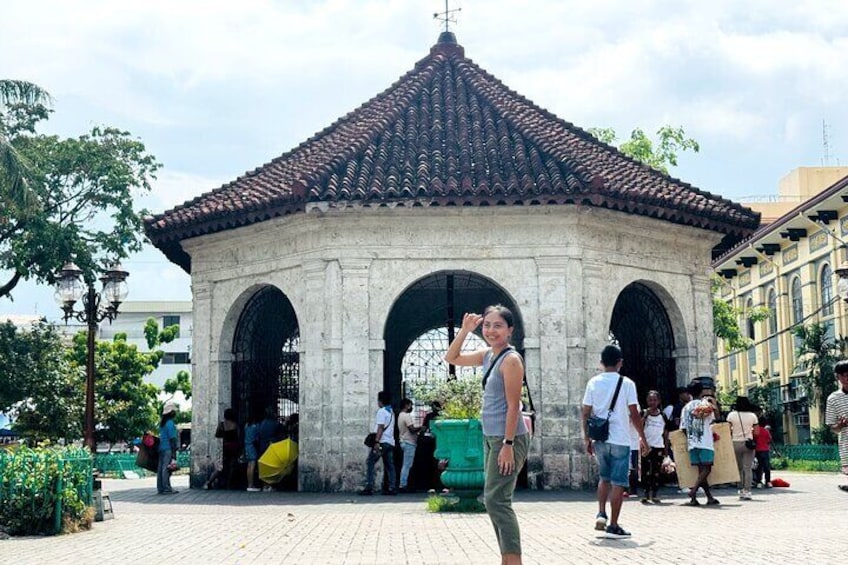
278 461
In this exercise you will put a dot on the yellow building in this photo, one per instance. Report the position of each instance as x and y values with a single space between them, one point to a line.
787 266
799 185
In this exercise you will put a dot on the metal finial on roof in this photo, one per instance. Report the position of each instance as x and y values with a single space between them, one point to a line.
447 16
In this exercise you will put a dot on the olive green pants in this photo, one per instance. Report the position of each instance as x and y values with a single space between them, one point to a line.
497 493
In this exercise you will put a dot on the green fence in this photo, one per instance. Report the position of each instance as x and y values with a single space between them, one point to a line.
807 452
40 487
116 464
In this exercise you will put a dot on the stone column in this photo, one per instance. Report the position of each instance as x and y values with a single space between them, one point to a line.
359 387
703 343
316 453
205 393
555 420
588 336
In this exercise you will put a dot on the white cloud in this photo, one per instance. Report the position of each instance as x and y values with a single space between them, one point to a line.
215 88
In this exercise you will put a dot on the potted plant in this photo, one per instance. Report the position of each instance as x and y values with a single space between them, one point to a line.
458 433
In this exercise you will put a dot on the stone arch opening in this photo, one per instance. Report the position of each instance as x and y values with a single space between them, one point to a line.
426 316
265 368
642 328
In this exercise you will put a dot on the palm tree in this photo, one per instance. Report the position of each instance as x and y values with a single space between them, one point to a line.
817 353
13 169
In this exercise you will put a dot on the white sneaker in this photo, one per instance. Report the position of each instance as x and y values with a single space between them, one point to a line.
745 495
254 489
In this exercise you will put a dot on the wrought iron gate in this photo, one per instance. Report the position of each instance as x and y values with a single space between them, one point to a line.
266 362
643 330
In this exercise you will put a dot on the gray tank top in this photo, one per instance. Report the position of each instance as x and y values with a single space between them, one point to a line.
493 416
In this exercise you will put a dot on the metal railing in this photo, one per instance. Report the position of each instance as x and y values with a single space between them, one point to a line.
807 452
37 487
117 464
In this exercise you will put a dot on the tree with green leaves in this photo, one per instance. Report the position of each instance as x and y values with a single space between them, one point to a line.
726 320
38 387
125 405
82 189
817 353
660 153
14 192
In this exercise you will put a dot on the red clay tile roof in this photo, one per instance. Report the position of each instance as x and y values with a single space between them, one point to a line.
447 134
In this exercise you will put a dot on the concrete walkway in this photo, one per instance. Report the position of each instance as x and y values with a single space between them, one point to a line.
804 523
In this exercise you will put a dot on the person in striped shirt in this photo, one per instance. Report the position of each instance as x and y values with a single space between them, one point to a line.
836 415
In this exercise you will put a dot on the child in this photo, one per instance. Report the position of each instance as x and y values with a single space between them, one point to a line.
654 423
762 436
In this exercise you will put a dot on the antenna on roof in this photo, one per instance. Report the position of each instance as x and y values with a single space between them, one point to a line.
825 144
447 16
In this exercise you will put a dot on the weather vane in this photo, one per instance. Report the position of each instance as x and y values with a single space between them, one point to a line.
447 16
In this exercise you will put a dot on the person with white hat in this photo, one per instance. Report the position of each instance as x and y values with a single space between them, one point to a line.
167 449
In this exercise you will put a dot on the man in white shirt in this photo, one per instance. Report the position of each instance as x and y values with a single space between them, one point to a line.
384 446
613 454
696 420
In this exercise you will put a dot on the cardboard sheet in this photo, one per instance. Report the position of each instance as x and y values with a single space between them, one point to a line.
724 468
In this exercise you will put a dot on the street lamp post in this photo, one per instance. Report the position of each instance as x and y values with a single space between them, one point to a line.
96 307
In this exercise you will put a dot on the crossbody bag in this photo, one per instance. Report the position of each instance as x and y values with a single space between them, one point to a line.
599 427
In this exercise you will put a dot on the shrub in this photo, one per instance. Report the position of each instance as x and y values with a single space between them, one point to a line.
33 481
823 435
448 503
461 397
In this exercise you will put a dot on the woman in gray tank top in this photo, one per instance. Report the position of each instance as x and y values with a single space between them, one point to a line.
505 436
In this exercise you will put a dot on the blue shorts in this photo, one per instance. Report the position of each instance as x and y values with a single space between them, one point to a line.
614 462
250 453
698 456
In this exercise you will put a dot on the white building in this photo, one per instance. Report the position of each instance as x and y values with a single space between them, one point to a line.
133 315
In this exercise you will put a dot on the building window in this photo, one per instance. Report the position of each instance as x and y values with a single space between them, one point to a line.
170 320
827 301
797 302
797 310
826 291
751 327
774 342
176 359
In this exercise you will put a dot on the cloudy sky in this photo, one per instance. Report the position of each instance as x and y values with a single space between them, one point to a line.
216 88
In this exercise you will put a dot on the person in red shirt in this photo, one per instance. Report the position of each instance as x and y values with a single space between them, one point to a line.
762 436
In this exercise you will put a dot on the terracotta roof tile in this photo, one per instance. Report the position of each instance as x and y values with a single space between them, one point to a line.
447 133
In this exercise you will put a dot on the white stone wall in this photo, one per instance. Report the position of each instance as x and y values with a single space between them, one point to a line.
342 270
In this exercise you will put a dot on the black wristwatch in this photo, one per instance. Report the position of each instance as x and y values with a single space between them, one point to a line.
508 441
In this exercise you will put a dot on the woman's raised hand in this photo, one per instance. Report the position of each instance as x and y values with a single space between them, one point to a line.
470 321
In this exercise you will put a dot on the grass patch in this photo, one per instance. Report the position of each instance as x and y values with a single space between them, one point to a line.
813 466
450 503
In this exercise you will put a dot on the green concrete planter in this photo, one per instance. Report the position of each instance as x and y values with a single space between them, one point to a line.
461 443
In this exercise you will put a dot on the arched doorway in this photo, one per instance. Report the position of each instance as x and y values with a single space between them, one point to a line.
426 316
641 327
420 326
266 364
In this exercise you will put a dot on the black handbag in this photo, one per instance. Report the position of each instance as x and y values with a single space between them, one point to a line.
370 440
598 428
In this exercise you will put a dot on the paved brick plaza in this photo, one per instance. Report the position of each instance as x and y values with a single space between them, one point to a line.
805 523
